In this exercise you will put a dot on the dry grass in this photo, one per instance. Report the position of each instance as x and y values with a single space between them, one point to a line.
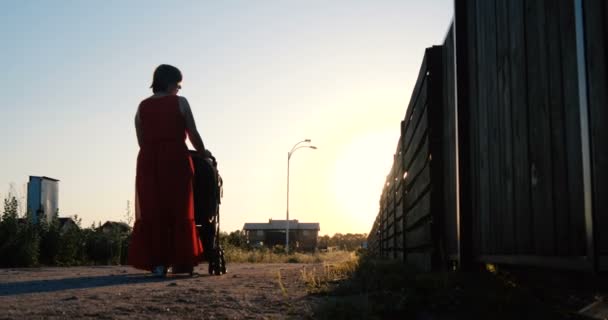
263 255
337 267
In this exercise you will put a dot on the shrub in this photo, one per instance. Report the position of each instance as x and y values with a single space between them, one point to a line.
70 252
104 248
50 241
18 239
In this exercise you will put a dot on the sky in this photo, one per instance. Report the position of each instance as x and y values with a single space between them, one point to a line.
260 76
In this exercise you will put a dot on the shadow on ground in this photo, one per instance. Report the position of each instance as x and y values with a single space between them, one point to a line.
39 286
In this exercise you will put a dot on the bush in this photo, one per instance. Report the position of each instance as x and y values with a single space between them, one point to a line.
104 248
25 247
19 240
71 250
50 241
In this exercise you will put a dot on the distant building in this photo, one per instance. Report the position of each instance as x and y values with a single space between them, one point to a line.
42 198
66 224
302 236
113 226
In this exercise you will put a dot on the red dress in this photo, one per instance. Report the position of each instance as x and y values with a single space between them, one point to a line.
164 232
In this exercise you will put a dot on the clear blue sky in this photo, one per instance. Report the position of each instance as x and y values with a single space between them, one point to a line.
259 75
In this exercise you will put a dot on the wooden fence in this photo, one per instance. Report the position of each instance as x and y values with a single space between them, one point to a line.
410 223
503 153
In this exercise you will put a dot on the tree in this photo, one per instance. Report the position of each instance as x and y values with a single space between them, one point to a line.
50 241
18 239
10 209
237 238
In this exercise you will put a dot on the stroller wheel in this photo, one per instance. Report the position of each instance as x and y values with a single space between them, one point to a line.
222 265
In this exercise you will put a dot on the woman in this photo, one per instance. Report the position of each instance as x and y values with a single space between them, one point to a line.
164 234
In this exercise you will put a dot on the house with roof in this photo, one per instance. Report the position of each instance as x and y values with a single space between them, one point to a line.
115 226
302 235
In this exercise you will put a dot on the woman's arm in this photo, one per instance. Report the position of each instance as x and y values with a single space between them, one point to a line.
193 135
138 128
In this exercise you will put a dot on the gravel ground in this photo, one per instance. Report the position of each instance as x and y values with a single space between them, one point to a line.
248 291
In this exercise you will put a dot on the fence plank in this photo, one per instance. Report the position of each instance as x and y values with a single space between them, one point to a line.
417 141
540 129
487 242
419 236
468 131
557 127
420 210
596 28
493 130
449 146
416 92
418 122
504 181
572 131
521 165
419 187
419 162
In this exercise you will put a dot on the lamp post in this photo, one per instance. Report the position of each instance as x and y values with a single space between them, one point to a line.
293 149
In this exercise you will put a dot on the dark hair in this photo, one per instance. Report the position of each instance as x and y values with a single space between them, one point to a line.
164 76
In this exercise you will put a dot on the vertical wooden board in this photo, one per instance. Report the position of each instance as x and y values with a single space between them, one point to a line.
596 28
557 125
540 128
448 144
493 130
435 137
576 245
487 243
521 165
464 77
471 168
505 155
436 130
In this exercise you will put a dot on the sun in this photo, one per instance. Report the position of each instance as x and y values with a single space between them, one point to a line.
359 173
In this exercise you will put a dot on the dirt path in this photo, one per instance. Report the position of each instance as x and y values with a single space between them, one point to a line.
248 291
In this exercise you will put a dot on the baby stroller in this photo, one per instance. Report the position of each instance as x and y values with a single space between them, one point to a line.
207 189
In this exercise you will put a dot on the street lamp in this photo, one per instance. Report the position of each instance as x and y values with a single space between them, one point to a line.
295 147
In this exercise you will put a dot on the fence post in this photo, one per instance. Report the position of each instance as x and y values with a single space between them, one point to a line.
585 141
463 160
437 158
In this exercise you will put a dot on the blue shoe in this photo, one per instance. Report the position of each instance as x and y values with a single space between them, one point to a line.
160 271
